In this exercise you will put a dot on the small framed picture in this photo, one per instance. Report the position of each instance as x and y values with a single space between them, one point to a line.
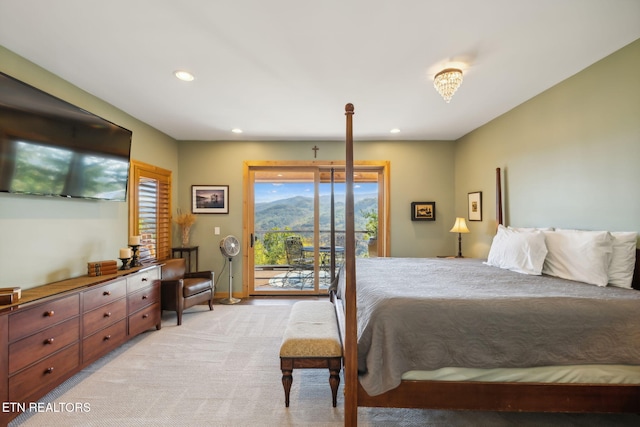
423 211
210 199
475 206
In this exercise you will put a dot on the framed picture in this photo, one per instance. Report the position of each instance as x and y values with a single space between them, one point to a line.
475 206
423 211
210 199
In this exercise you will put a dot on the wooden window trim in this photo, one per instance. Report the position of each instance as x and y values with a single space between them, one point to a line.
138 170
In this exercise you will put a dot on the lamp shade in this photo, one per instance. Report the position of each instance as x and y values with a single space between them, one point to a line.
460 226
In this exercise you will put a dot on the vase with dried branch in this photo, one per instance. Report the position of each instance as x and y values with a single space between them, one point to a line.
185 221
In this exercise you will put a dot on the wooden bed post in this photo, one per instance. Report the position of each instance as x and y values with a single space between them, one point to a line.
499 218
332 234
351 333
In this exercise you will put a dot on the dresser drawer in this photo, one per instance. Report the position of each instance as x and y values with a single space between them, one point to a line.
143 298
144 319
104 316
44 375
104 294
24 352
104 341
33 319
143 279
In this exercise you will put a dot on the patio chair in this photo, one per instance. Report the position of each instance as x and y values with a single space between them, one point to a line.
300 271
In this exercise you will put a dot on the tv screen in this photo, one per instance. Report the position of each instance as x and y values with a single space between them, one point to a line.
53 148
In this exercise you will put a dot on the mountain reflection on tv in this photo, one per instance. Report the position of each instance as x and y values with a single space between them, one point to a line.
49 170
50 147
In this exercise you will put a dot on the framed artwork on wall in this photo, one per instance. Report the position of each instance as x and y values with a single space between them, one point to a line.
475 206
210 199
423 211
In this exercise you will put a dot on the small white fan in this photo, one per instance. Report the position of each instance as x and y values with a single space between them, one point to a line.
230 247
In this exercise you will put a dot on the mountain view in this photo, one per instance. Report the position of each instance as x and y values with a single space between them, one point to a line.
284 209
296 213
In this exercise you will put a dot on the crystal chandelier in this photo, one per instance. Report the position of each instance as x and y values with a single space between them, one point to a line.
447 82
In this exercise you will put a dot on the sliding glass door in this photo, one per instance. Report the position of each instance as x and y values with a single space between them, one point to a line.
285 217
288 221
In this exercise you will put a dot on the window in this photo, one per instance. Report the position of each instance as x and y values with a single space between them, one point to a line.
150 210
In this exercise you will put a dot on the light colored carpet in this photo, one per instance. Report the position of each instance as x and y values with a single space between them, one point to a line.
221 368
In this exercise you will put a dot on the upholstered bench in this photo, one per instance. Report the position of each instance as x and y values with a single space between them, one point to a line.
311 340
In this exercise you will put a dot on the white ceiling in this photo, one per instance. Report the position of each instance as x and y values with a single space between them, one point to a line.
284 69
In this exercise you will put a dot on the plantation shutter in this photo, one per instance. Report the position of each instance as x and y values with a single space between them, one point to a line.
150 208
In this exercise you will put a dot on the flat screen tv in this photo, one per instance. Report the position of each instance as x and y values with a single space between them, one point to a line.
52 148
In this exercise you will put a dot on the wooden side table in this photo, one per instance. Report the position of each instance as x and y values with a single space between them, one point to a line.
188 250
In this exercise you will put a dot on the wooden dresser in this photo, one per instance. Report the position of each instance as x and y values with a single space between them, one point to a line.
55 330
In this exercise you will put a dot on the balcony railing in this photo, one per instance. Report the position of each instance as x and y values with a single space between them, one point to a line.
269 244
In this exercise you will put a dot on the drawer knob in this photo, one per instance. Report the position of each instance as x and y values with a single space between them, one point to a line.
49 370
49 313
106 293
107 314
144 279
107 337
145 297
144 316
49 341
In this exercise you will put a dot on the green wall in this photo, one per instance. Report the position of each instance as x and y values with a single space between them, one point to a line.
45 239
570 156
420 171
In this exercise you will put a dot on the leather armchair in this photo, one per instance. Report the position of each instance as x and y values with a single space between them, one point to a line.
181 290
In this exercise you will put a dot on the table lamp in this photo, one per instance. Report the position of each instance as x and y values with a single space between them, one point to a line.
459 227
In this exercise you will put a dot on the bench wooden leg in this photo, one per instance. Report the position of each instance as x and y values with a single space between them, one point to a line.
286 365
287 380
334 377
334 364
334 381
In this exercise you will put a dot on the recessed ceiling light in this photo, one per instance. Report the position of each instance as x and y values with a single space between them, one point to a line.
185 76
236 130
395 130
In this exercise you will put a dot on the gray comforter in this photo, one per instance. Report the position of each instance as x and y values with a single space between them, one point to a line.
425 314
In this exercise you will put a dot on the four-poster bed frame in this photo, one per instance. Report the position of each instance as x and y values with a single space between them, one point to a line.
458 395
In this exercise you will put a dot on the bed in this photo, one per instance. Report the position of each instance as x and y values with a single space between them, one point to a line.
527 350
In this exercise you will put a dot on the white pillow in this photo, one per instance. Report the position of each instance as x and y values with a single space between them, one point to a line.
578 255
623 259
530 228
522 252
